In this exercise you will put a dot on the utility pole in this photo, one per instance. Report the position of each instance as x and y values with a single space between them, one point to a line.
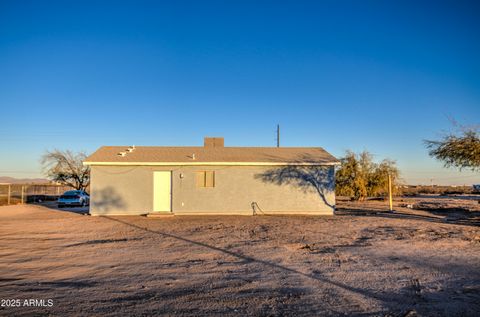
390 191
9 193
278 135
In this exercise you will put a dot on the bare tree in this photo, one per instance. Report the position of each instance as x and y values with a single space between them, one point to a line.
67 168
461 151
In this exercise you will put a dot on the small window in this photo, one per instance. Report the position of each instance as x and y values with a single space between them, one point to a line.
205 179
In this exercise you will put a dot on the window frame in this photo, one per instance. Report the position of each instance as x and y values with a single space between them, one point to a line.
202 177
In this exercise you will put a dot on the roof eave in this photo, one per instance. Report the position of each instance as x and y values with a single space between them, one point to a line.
334 163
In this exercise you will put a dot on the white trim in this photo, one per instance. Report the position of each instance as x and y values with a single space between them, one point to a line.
208 164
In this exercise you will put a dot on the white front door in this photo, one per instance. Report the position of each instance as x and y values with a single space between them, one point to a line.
162 191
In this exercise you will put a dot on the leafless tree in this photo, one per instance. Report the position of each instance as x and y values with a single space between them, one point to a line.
67 168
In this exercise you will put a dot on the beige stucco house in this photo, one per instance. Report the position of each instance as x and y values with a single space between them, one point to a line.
213 179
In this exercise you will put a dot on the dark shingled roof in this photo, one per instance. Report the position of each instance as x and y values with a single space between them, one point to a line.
199 154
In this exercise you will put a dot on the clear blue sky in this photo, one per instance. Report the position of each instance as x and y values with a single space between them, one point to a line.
374 75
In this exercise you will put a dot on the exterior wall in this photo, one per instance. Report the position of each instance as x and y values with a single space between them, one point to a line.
121 190
129 190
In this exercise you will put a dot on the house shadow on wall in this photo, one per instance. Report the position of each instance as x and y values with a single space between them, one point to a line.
107 199
320 179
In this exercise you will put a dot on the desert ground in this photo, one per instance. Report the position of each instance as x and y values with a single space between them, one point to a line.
362 261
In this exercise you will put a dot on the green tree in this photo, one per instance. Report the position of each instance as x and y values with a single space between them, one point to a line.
461 151
351 178
360 177
379 178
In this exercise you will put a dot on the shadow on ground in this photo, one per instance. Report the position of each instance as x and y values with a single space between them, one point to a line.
411 295
76 210
456 217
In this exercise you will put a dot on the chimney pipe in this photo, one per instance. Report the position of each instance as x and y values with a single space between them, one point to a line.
213 142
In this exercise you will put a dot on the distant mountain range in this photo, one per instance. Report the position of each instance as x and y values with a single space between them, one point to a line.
13 180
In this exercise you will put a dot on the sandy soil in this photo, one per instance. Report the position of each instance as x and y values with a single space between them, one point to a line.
359 262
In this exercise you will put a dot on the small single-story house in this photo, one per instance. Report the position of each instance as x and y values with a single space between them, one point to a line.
213 179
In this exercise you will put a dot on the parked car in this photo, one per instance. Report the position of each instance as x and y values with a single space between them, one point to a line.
74 198
476 189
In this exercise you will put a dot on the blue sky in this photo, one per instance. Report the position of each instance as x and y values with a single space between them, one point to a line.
362 75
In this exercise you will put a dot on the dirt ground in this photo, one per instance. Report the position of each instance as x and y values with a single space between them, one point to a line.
359 262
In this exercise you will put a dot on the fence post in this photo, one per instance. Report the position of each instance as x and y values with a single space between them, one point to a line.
390 192
9 193
22 193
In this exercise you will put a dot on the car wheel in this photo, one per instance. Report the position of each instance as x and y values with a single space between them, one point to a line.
60 206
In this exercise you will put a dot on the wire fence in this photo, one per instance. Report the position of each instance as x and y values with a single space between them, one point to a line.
13 194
